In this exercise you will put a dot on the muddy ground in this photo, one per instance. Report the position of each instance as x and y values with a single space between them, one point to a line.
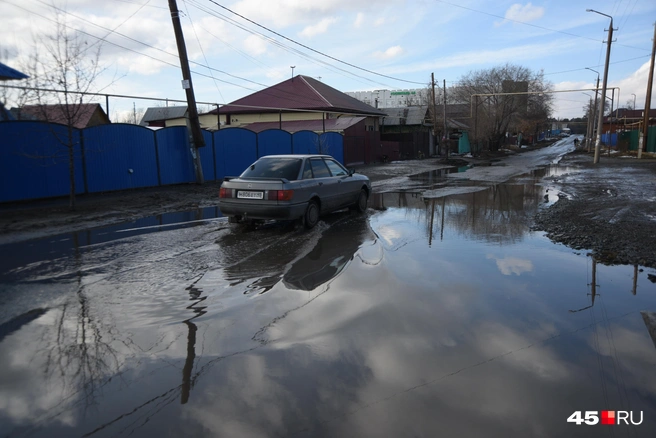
609 209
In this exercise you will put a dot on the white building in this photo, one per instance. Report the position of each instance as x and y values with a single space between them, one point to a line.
392 98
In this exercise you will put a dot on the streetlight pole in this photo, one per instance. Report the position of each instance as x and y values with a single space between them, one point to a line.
600 121
594 113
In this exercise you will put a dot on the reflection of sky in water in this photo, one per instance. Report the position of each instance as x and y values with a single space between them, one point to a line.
471 335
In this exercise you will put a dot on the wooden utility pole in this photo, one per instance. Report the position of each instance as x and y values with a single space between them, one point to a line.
434 114
650 81
446 130
197 140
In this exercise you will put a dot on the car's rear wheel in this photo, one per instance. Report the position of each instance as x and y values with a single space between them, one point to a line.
311 215
361 205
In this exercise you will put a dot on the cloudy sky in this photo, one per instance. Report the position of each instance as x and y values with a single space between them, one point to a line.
238 47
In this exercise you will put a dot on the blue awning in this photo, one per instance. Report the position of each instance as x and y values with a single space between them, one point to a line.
7 73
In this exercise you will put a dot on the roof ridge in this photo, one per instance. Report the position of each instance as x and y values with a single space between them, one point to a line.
315 90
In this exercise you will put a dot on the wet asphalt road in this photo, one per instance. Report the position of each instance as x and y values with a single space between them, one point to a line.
426 317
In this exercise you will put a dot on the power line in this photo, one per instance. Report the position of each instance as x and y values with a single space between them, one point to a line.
283 46
135 51
314 50
201 49
110 31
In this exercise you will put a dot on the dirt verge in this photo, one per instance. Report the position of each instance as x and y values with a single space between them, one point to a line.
608 208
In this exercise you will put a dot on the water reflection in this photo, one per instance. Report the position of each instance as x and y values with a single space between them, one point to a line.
501 213
298 259
410 320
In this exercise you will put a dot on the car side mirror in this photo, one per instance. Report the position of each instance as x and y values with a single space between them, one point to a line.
351 172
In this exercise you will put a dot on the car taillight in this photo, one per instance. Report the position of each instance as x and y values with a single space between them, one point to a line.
285 195
225 193
280 195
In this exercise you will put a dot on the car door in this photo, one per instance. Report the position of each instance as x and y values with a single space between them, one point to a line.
346 190
327 185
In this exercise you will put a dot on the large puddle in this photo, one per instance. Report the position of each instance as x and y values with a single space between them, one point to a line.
430 317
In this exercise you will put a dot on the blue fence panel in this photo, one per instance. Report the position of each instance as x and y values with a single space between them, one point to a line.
236 149
541 136
332 143
207 157
305 142
119 157
274 142
175 161
34 161
612 138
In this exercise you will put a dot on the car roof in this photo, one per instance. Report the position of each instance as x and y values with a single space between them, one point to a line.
296 156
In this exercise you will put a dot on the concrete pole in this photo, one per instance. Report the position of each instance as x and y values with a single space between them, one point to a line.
600 120
650 81
594 115
434 113
446 130
588 134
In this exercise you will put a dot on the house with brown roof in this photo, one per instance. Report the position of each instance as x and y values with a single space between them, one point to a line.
82 115
298 103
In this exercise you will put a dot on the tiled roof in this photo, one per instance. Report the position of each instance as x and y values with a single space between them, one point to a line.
299 93
332 125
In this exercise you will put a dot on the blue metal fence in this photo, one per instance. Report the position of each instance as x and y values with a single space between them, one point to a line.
34 161
609 139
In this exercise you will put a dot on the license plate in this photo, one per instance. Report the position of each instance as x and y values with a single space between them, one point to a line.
243 194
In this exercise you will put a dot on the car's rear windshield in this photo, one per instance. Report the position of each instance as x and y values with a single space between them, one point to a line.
287 168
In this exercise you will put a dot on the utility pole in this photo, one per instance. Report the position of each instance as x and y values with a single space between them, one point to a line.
600 120
650 80
594 115
197 140
434 114
446 130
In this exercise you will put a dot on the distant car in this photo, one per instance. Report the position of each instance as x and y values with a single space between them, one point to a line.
290 187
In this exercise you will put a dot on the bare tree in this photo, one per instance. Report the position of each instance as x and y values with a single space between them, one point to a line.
498 112
64 61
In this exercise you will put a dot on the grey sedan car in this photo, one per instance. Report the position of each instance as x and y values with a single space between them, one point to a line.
289 187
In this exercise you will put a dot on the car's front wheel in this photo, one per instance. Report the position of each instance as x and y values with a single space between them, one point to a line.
311 215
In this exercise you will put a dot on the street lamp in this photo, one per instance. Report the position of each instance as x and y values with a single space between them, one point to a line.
594 113
600 121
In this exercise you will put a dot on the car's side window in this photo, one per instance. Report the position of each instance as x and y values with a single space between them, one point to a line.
319 168
335 168
307 171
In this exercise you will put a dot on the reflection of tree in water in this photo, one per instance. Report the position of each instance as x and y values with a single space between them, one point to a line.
500 214
81 355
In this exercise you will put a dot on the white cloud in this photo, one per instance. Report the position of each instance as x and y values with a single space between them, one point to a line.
512 265
359 19
392 52
255 45
524 13
285 13
319 28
